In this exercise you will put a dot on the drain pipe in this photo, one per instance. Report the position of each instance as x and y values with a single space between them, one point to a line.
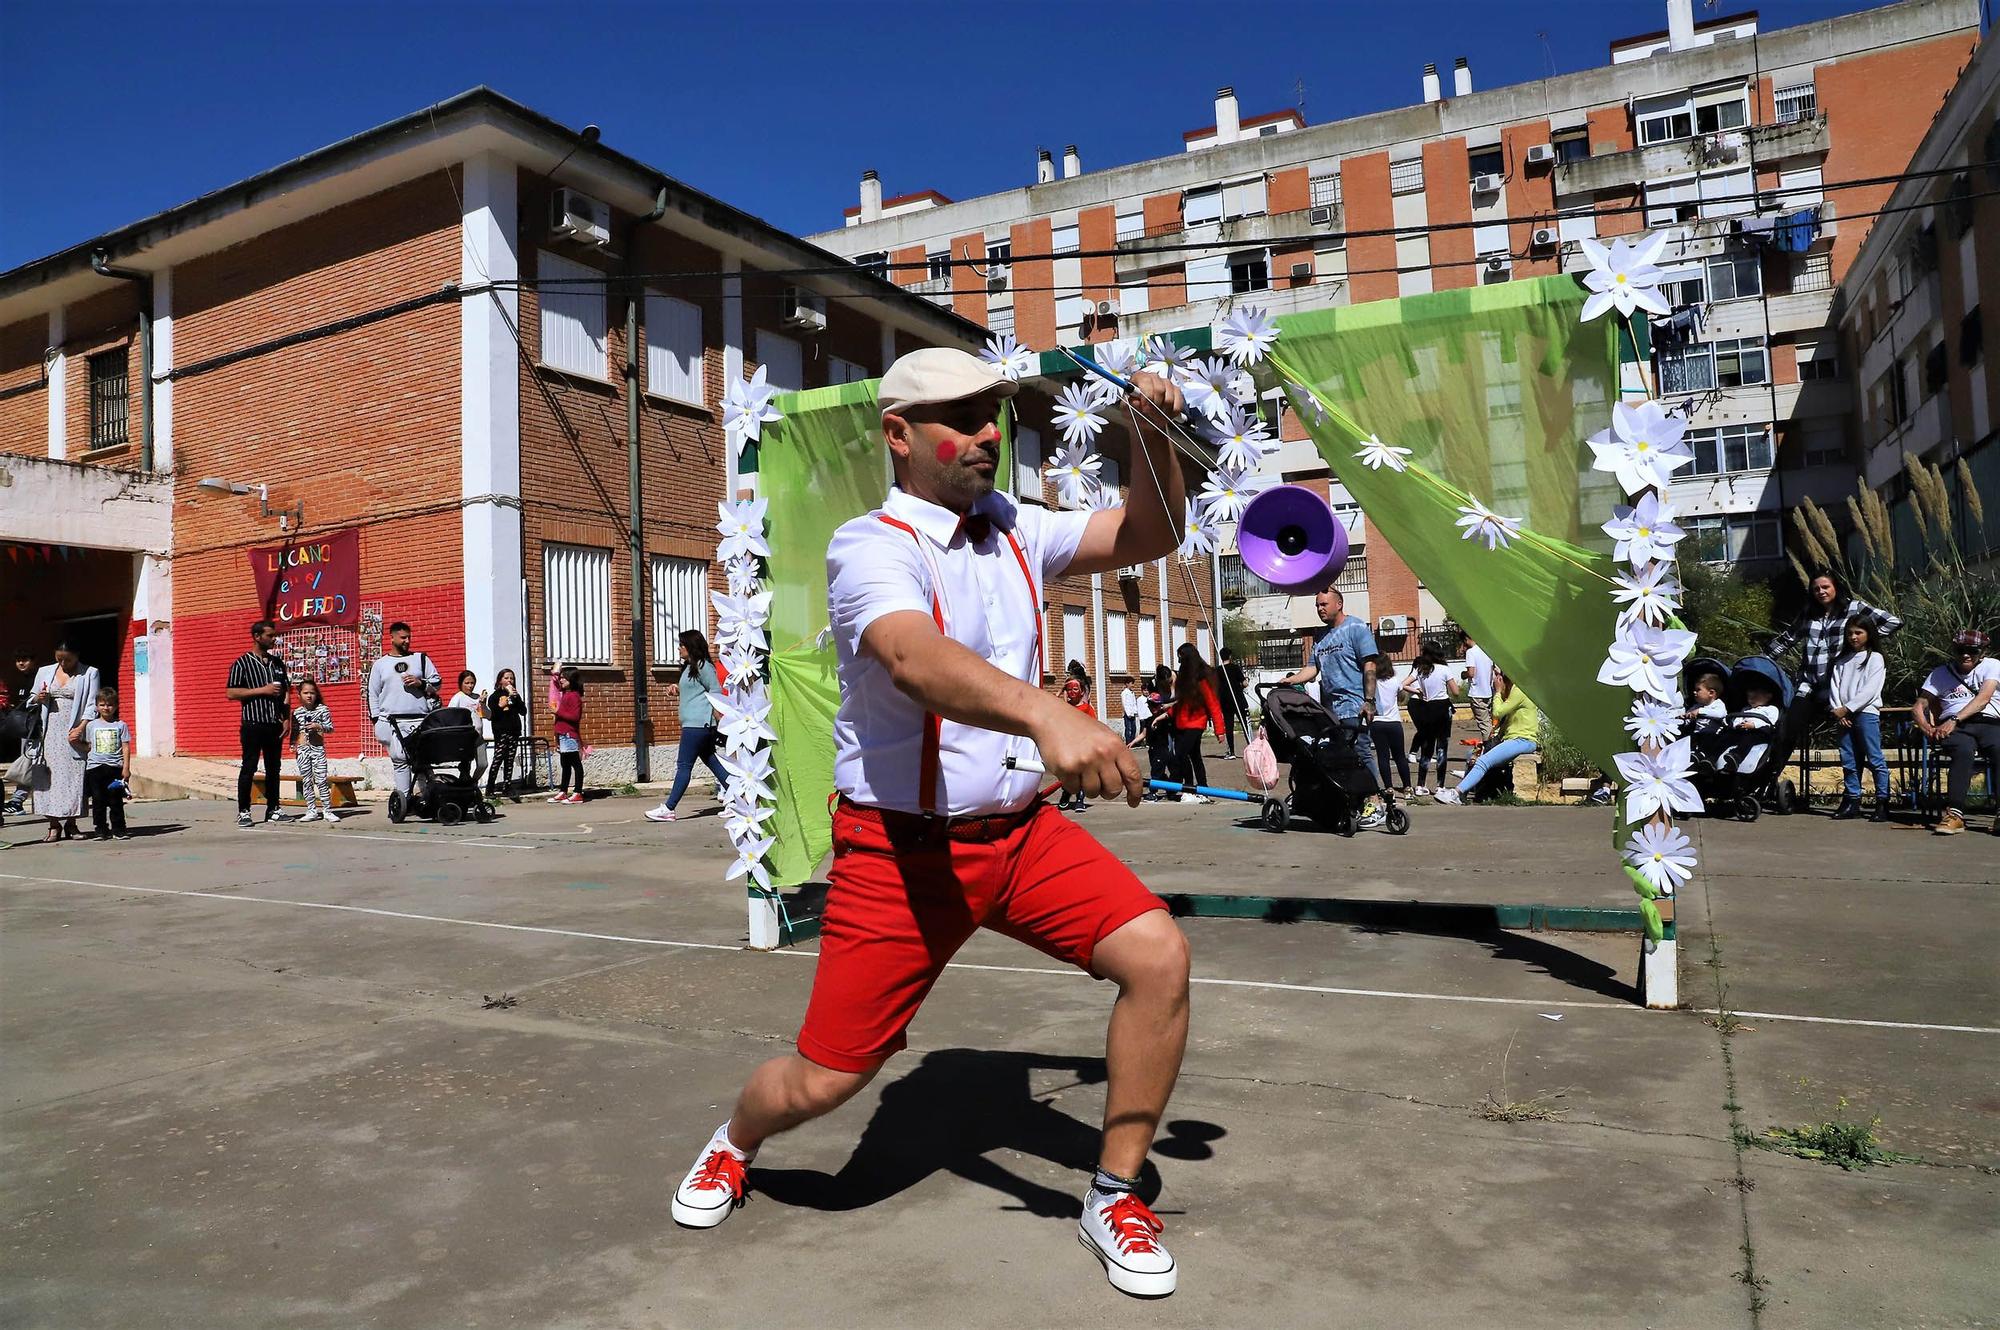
642 756
100 261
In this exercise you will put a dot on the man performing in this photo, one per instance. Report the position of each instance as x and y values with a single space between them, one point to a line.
935 603
400 685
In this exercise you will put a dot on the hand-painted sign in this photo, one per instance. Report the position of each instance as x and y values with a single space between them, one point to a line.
310 581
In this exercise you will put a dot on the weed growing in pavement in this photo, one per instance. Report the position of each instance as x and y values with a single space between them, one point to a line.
1849 1145
1535 1108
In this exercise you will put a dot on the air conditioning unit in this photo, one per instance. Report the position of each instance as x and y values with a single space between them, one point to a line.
1107 309
803 309
1487 184
1322 216
1541 155
575 216
1393 625
1767 203
1132 572
1496 270
996 277
1545 237
1302 272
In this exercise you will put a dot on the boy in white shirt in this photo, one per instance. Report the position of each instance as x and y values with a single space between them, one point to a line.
1132 705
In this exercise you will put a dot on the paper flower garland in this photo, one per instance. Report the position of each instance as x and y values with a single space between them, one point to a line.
1643 447
1645 531
742 528
1076 415
746 407
1241 440
1654 722
743 708
1118 357
750 852
1376 454
1650 594
1480 521
1199 537
1207 387
1624 277
1645 658
1247 334
1007 355
1165 357
1662 854
1074 470
1658 782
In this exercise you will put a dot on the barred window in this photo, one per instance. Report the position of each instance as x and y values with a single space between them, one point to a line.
680 602
110 402
1407 176
1326 191
576 599
1796 103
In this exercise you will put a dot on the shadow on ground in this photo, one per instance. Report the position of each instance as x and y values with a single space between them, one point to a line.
957 1107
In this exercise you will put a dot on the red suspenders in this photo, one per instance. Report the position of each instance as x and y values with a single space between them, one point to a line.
927 766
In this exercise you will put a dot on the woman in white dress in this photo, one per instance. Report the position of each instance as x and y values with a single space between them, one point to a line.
67 693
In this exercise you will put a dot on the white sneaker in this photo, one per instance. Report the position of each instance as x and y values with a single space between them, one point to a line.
662 813
1124 1234
329 817
559 798
1368 821
1188 797
713 1188
1448 797
1418 792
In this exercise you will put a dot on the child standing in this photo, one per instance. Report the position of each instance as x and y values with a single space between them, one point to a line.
1073 693
566 702
312 721
108 768
505 714
1855 695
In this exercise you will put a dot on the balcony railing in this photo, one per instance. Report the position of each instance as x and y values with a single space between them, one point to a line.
1681 157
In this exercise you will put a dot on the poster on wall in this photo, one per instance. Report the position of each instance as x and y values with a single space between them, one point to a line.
310 581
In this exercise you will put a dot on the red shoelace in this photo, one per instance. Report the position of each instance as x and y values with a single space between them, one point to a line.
721 1170
1133 1224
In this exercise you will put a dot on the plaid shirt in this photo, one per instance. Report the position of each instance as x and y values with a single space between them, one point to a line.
1823 635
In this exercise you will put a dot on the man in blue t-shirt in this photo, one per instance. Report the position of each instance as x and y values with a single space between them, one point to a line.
1344 660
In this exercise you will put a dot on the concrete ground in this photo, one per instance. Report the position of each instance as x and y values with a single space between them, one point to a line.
254 1079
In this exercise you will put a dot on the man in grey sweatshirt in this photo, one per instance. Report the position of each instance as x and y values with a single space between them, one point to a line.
400 684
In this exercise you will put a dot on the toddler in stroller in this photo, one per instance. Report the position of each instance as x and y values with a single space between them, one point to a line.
440 748
1330 783
1736 736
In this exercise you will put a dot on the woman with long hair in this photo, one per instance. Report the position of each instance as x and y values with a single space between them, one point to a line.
1429 690
696 692
1195 708
1517 731
566 703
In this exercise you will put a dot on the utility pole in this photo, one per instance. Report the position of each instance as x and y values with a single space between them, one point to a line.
635 540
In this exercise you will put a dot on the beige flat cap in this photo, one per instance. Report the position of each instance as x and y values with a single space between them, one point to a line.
939 374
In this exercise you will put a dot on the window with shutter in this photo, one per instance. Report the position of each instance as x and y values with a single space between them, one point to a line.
576 599
573 316
680 603
673 349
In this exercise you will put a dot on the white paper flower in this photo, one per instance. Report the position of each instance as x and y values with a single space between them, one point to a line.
743 574
1658 783
749 773
745 720
1075 416
1489 526
1205 386
1103 496
1074 470
1165 357
1007 355
1624 276
1643 447
1119 358
746 407
1650 594
750 852
740 661
745 821
742 528
1247 334
1240 440
1307 405
740 620
1377 454
1662 854
1225 493
1645 659
1645 531
1198 535
1653 722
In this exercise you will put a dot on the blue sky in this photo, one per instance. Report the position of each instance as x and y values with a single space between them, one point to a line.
111 112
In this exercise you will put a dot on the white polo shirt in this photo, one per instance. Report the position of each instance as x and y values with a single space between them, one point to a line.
873 569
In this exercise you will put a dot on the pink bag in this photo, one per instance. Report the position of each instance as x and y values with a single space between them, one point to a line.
1260 764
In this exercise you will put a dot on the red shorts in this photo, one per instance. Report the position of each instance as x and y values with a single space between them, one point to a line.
904 900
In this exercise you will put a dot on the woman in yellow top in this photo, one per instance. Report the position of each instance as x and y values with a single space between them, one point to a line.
1517 731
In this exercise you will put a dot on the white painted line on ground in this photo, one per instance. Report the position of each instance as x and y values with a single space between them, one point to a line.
1843 1020
1064 972
385 914
404 839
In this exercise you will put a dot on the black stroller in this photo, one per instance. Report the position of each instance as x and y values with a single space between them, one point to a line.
1329 781
440 748
1736 772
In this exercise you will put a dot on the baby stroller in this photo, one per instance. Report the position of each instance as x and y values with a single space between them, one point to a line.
1737 772
440 748
1329 781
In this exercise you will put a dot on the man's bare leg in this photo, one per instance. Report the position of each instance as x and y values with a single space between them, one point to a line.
1148 960
786 1092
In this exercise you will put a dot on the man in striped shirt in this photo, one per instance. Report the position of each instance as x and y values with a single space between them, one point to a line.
257 680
